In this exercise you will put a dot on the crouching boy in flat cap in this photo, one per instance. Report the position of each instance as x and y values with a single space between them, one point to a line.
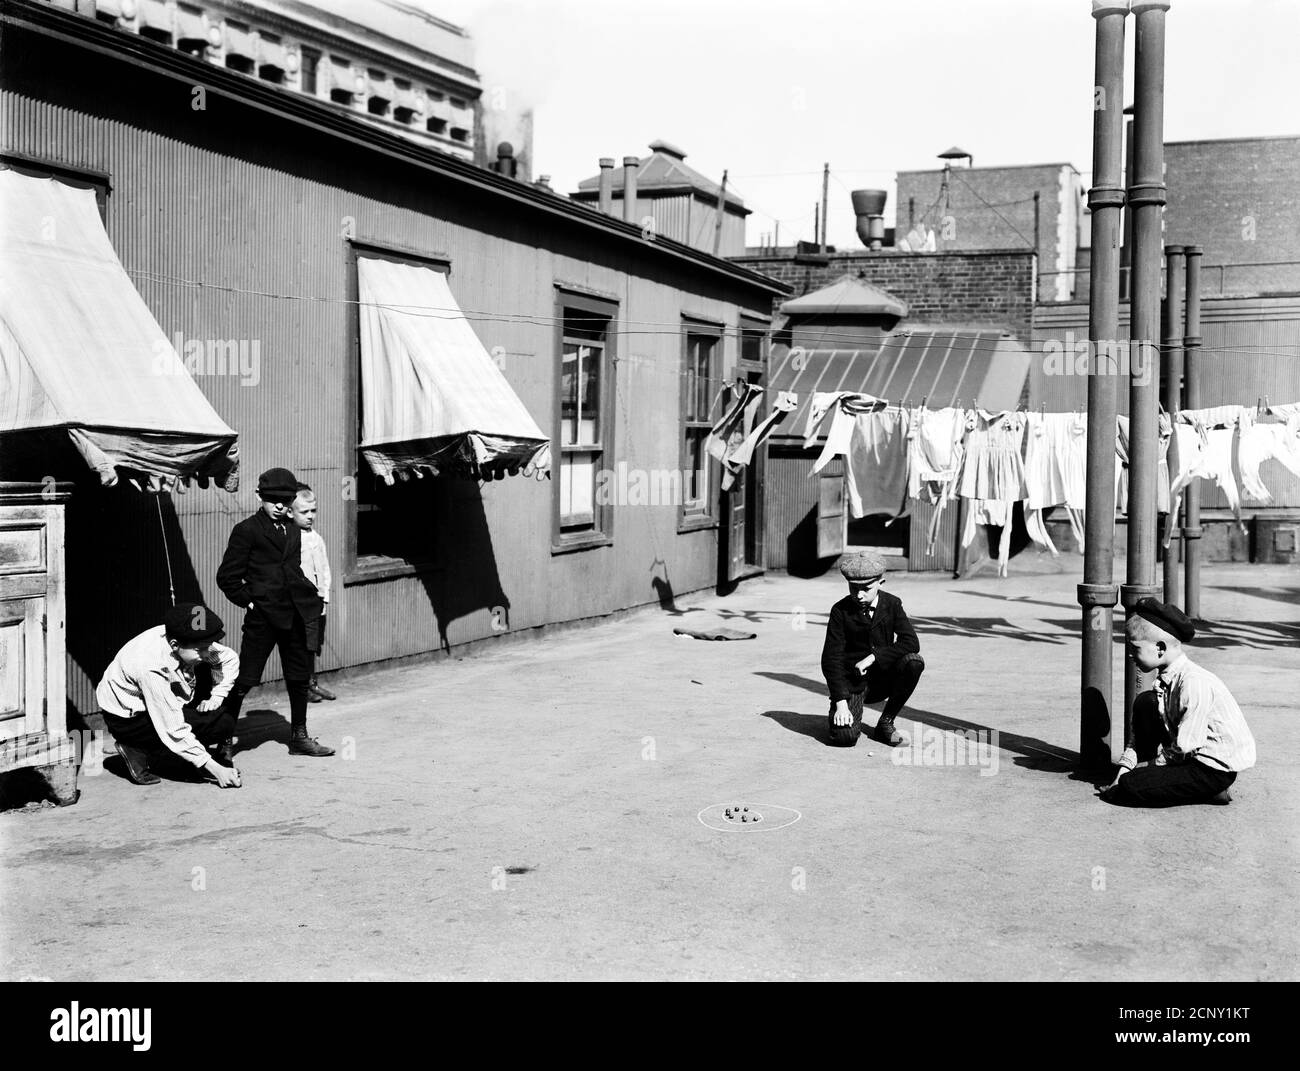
1188 731
165 692
262 571
871 653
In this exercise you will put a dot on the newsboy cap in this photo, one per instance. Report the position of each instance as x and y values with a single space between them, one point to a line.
861 567
1164 616
192 622
277 483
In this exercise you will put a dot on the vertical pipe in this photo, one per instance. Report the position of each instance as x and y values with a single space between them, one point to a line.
1146 196
826 182
630 164
817 225
607 185
1038 260
1171 361
717 222
1126 250
1097 594
1192 400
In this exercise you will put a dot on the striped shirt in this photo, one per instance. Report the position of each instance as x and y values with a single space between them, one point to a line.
1203 719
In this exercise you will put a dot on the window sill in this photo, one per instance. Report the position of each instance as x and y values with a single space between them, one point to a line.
696 524
586 542
376 568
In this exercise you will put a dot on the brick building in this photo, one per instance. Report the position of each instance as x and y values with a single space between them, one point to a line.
1238 199
1032 206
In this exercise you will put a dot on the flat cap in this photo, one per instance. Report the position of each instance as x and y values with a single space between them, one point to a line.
192 622
861 567
277 483
1164 616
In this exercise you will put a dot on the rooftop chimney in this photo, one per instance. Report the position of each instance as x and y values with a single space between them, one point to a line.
869 207
630 164
607 185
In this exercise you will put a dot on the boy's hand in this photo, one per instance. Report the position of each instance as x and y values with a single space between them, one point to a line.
866 663
842 715
209 705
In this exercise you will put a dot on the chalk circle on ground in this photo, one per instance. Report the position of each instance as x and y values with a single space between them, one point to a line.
747 817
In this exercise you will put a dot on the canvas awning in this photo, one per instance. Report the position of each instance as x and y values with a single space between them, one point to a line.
432 398
189 25
80 350
240 42
976 367
156 15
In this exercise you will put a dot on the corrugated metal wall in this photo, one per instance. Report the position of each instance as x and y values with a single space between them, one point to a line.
232 198
791 498
1250 350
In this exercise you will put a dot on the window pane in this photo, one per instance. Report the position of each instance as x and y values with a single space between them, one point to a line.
751 346
569 394
704 383
696 478
577 489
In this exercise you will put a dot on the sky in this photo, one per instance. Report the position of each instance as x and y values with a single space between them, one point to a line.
770 91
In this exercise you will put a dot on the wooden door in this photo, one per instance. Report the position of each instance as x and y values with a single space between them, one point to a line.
832 515
32 689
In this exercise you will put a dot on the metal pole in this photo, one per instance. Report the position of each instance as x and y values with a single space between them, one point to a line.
1192 400
1126 250
1147 198
1097 594
717 223
1171 359
826 183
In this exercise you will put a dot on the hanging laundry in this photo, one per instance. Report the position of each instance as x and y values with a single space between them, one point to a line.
823 402
1165 432
876 464
1285 410
1264 442
935 455
1205 453
1217 416
993 467
847 410
1056 459
737 459
934 440
990 512
738 420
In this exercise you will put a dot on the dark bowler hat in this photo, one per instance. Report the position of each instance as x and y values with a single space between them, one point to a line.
1165 616
277 483
192 622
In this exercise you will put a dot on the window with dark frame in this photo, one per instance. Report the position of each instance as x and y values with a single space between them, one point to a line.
394 525
584 419
307 71
700 384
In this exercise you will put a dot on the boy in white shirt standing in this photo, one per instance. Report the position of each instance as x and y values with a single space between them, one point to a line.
316 568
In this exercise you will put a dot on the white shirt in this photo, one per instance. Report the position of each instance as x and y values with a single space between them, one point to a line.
1204 721
315 562
141 678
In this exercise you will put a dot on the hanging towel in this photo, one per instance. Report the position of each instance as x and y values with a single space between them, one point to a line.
736 422
1264 442
737 459
876 464
847 410
935 451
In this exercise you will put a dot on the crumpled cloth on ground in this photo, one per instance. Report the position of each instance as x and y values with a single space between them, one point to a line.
715 633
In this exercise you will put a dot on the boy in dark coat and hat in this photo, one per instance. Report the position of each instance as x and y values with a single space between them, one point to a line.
871 653
1190 739
262 571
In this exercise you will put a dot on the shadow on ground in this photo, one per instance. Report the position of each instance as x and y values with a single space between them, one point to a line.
1031 753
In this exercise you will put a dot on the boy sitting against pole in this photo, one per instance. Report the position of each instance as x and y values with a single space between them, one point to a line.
871 653
1188 731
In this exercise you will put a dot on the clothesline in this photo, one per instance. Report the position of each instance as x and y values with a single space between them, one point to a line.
895 454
